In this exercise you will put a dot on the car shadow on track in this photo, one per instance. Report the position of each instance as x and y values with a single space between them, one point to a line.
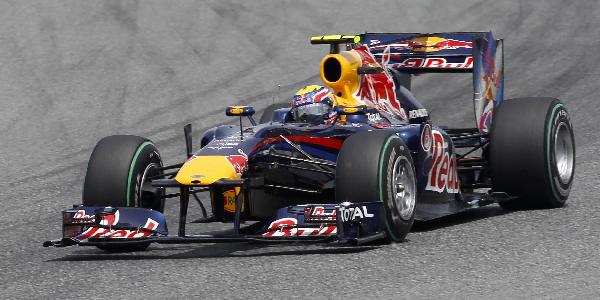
459 218
212 251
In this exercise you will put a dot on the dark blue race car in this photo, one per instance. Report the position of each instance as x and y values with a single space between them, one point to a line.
364 172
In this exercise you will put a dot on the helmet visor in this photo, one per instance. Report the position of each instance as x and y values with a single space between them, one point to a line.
313 113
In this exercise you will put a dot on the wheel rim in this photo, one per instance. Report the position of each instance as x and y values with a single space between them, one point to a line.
144 184
403 188
564 152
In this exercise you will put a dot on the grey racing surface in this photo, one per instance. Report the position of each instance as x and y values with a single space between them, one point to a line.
72 72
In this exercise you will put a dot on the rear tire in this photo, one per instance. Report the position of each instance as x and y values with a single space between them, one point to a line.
377 166
117 176
532 153
267 115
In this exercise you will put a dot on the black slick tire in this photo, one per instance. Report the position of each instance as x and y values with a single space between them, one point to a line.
117 175
364 173
532 153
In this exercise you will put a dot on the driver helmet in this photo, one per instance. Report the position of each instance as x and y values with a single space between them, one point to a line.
314 104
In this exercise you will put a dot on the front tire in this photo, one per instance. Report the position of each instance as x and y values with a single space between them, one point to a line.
532 153
377 166
118 175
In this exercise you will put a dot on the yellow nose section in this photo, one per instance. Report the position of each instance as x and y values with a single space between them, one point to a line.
205 170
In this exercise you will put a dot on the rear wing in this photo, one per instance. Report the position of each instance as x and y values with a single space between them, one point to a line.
418 52
451 52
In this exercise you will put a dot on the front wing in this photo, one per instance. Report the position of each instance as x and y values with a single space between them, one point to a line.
348 223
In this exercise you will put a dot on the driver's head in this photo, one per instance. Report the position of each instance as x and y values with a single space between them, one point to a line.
314 104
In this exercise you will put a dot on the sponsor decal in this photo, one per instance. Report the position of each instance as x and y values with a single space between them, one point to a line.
434 63
374 117
289 227
239 162
374 42
352 125
228 142
219 146
319 214
426 138
351 213
111 220
229 200
443 176
384 125
80 217
417 113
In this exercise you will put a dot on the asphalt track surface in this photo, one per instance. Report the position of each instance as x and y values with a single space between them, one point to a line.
72 72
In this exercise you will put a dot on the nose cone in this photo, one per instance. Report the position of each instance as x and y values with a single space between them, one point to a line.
205 170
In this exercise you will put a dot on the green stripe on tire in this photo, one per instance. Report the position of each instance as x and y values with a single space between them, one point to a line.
132 166
381 189
548 156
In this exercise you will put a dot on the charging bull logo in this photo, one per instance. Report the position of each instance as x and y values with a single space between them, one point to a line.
379 89
426 44
239 162
443 175
434 44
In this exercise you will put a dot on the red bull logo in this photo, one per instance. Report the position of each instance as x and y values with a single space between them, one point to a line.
80 217
113 219
434 63
319 214
239 162
287 227
443 176
229 200
428 44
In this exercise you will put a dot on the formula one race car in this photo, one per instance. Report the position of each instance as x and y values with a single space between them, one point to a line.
364 176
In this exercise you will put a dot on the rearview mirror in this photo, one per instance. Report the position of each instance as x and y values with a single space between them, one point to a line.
239 110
